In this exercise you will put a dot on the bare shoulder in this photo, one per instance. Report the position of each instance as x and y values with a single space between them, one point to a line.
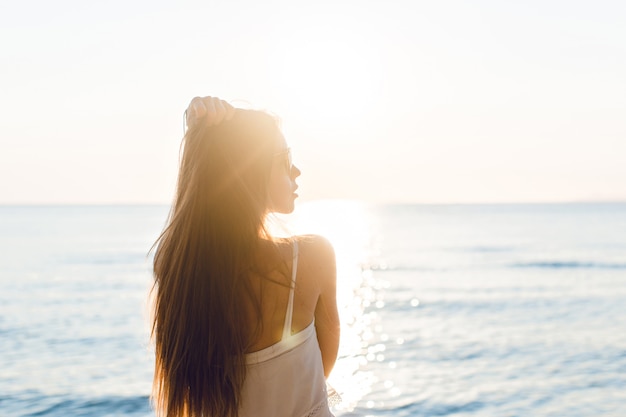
317 260
316 247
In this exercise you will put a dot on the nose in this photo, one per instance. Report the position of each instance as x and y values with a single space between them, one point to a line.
295 172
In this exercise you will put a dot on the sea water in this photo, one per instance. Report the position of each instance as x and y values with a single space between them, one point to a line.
450 310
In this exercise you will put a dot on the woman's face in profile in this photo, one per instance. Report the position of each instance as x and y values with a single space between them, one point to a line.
282 184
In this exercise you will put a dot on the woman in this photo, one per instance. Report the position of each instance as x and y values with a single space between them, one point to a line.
244 324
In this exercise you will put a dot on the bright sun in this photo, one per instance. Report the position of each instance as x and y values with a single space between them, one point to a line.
330 77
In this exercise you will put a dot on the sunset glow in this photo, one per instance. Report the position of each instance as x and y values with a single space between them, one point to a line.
380 101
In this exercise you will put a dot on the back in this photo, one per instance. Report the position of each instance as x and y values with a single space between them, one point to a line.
273 291
287 378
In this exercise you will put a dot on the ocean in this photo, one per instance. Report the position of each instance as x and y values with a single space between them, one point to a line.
447 310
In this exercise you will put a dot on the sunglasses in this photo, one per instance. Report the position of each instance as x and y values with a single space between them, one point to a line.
286 159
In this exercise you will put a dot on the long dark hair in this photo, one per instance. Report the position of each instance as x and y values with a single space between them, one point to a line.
202 263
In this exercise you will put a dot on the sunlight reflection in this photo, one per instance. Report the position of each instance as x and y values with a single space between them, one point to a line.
348 225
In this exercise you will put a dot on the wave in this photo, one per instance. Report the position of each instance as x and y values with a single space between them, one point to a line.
35 404
570 265
482 249
435 408
117 258
382 267
394 268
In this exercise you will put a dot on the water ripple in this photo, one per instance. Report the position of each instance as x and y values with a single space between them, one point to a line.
570 265
35 404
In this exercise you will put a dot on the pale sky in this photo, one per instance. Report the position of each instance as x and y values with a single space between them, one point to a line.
382 101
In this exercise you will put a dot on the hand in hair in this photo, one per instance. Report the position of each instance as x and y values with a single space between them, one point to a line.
208 110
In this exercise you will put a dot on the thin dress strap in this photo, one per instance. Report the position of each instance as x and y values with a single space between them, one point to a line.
289 313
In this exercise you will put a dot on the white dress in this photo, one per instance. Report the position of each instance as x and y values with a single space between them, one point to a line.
287 378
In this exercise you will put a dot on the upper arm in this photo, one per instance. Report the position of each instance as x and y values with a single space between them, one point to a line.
326 313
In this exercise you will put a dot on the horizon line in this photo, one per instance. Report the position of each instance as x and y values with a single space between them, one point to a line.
373 203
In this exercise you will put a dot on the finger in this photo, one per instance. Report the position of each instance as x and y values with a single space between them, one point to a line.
209 104
213 111
195 111
198 108
220 111
230 110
